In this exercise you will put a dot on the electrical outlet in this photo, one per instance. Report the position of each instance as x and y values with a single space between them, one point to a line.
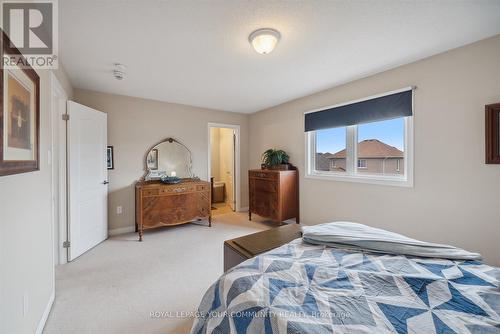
119 210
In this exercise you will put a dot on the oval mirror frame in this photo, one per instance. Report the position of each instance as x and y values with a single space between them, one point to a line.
150 174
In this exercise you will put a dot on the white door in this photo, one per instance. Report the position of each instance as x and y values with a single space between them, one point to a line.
87 178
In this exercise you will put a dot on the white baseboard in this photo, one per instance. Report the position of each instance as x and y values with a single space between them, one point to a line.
45 315
244 209
121 230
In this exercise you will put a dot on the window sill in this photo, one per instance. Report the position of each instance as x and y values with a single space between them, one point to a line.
369 179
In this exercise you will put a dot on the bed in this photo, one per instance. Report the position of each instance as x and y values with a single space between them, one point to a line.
306 288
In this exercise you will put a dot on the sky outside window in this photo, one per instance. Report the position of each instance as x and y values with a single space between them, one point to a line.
330 140
390 132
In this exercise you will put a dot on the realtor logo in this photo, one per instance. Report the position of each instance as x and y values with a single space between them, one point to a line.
31 28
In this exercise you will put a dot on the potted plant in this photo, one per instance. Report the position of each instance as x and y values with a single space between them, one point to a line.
275 159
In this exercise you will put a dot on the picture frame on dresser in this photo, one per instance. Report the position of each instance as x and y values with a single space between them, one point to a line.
492 115
19 115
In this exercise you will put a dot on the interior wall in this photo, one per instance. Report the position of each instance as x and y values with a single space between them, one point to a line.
455 197
26 231
135 124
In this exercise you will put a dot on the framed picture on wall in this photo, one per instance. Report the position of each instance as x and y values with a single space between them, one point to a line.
493 133
110 158
19 116
152 160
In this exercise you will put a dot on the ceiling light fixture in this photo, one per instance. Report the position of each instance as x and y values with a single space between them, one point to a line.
119 71
264 40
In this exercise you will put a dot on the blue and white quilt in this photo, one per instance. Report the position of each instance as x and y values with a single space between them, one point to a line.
304 288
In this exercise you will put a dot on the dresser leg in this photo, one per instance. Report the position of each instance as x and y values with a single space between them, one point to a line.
249 215
140 235
210 221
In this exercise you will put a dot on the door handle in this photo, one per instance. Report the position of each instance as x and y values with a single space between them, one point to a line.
105 182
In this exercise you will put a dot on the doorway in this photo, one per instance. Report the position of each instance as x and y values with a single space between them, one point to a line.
223 167
87 178
79 176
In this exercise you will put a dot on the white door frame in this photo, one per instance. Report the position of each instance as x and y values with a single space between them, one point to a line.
58 162
237 164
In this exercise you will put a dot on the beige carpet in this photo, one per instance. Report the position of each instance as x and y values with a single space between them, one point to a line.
114 287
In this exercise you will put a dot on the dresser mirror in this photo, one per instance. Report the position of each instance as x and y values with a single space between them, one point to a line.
168 157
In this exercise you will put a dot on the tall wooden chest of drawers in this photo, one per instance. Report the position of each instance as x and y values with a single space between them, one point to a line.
274 194
158 204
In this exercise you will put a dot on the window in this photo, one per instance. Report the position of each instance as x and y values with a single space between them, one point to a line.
382 143
376 151
331 141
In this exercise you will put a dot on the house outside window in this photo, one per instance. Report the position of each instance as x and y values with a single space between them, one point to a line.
379 152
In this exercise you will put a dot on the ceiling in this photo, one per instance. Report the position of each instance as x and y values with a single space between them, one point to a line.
197 52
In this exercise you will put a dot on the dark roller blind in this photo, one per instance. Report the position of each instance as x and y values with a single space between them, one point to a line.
372 110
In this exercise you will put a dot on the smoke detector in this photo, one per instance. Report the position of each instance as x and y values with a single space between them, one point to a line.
119 71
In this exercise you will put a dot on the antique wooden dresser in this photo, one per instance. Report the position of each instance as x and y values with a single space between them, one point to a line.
158 204
274 194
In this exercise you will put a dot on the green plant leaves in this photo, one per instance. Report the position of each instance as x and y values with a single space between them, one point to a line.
273 157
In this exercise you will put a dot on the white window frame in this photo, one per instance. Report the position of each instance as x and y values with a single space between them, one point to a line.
351 174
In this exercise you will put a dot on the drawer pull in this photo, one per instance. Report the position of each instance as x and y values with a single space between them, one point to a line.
178 190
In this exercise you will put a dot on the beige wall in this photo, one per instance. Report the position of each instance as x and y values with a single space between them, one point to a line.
26 232
455 199
135 124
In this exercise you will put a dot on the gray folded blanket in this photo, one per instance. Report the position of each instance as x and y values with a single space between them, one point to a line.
360 237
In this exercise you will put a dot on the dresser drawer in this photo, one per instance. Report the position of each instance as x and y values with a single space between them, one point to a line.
150 192
165 210
263 186
172 216
177 189
202 187
264 200
266 211
263 175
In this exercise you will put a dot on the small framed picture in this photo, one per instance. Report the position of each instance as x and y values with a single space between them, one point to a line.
493 133
110 158
19 116
152 160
